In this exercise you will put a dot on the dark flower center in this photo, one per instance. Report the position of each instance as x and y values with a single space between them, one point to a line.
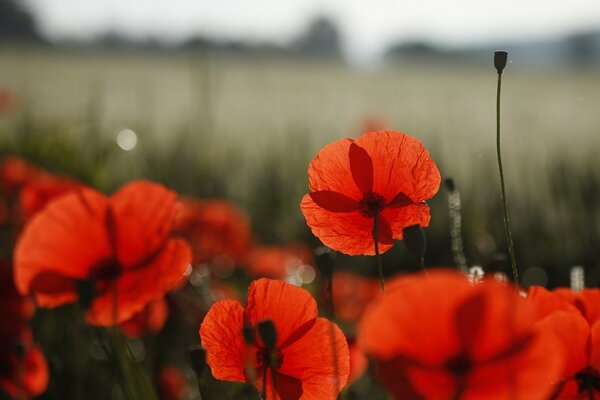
273 358
587 379
371 204
460 365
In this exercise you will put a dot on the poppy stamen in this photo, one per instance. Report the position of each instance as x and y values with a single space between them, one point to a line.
371 204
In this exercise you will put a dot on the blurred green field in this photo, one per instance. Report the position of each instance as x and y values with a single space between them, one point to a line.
246 128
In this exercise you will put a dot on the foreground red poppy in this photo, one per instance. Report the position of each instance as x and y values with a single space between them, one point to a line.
311 354
440 337
381 180
23 368
575 318
118 246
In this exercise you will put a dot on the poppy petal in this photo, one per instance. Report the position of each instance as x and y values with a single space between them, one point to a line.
143 216
221 336
292 309
401 164
333 201
331 170
595 346
66 238
540 365
138 287
349 233
402 217
361 166
320 359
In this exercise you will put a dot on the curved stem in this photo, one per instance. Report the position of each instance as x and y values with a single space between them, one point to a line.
376 240
511 249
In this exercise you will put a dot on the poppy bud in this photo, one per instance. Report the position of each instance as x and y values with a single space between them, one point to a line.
197 357
414 238
249 335
324 260
449 182
500 58
267 332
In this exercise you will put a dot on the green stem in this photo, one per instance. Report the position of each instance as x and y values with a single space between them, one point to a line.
377 255
511 250
264 383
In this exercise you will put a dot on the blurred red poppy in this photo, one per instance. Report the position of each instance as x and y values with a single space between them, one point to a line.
8 101
150 320
440 337
351 294
171 383
278 262
28 189
23 369
119 248
310 359
217 230
381 179
358 362
575 318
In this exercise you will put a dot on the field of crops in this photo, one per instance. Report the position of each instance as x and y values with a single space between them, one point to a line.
244 129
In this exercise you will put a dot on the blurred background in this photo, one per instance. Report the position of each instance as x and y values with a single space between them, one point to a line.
233 99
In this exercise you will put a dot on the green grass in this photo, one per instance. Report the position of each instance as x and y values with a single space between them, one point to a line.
246 128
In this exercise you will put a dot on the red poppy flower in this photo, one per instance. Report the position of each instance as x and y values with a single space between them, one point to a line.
440 337
172 384
33 188
15 172
119 245
150 320
218 231
23 369
37 192
351 294
358 362
278 262
380 179
575 318
311 353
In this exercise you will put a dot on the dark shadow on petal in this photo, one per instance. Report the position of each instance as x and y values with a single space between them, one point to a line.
361 166
298 333
287 387
468 320
334 201
401 200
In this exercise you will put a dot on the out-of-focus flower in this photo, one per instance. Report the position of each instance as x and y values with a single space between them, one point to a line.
150 320
351 294
8 101
307 359
373 123
23 369
380 180
171 383
575 319
358 362
440 337
29 187
217 230
278 262
115 253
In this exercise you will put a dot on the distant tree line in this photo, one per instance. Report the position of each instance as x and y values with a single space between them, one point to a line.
321 38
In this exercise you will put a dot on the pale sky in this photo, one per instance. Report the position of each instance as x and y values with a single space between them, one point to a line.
367 26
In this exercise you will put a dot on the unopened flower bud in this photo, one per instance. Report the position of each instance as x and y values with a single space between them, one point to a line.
500 58
414 238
